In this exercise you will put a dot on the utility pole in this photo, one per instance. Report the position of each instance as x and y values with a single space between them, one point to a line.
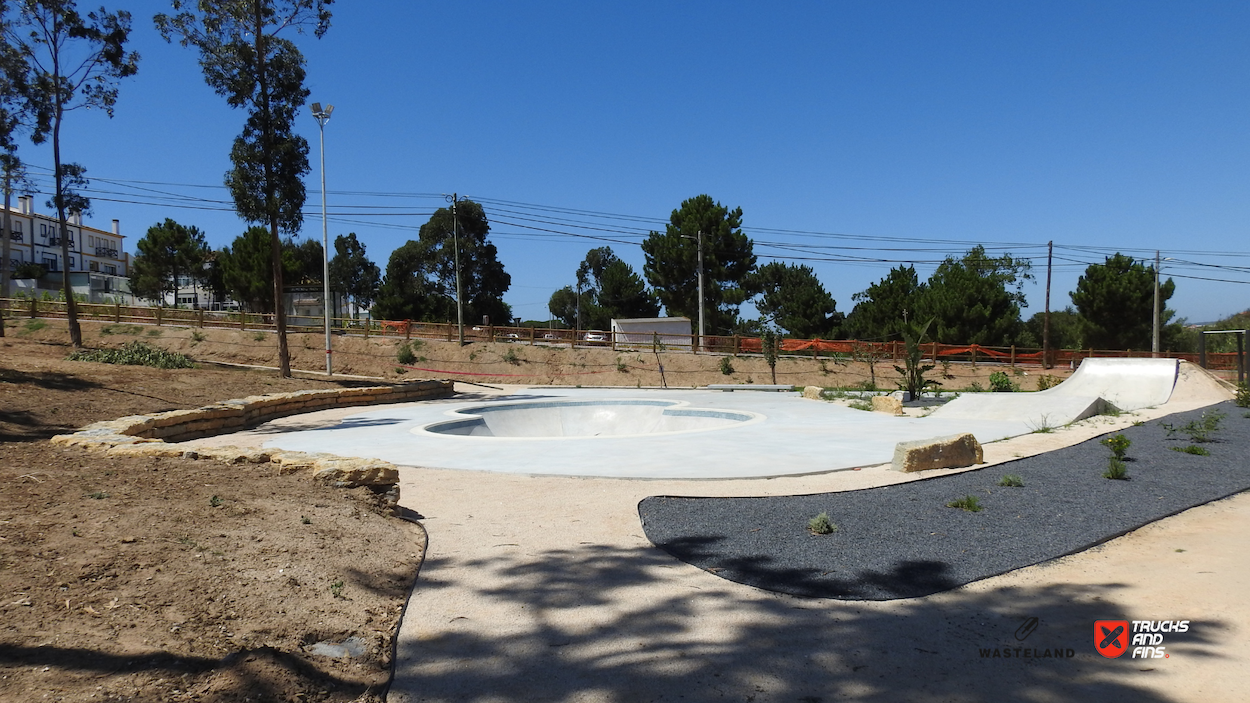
455 239
322 117
1154 339
700 270
1050 251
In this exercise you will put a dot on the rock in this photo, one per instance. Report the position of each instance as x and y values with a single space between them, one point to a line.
887 404
812 392
953 452
350 473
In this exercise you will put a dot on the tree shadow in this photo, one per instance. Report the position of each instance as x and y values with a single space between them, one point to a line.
48 380
572 624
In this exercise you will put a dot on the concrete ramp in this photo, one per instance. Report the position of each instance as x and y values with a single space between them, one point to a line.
1125 384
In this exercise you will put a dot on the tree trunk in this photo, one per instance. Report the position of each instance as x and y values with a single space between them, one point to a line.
5 246
271 204
71 305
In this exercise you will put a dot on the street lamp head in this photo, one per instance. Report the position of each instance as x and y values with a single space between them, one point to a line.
322 116
316 107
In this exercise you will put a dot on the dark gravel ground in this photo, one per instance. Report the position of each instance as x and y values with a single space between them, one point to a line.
902 541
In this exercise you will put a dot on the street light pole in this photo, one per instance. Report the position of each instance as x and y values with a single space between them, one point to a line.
1154 339
455 239
700 270
323 116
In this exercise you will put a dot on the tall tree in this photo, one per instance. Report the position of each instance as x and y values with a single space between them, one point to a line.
353 273
168 250
246 62
728 259
420 281
1116 302
609 289
792 298
882 308
245 268
14 115
976 299
71 62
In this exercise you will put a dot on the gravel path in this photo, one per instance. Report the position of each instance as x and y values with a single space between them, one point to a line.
902 541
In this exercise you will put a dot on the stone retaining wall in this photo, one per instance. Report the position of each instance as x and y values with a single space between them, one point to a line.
147 435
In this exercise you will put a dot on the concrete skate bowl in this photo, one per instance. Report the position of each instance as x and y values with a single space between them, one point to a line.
1097 386
556 419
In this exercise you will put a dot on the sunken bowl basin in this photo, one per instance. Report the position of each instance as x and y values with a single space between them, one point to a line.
585 418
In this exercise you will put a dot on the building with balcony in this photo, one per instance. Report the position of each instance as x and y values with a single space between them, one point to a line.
97 265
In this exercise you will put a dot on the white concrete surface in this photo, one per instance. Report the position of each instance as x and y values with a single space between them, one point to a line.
584 418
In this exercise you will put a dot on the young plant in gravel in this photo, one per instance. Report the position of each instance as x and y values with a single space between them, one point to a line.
821 525
1011 481
1242 398
1116 469
1192 449
970 504
1201 430
1118 444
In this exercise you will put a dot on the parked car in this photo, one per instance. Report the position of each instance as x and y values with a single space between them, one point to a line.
596 337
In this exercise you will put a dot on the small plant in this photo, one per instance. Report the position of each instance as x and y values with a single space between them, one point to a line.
34 325
860 405
821 525
98 495
1116 469
621 366
336 589
1046 381
1200 430
215 501
155 333
1042 426
726 366
864 386
1118 444
1192 449
305 520
120 329
1011 481
135 353
258 336
970 504
975 387
405 355
1242 398
824 366
472 356
401 370
511 357
197 336
1002 383
946 369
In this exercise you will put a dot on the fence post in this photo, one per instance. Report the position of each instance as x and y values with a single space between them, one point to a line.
117 313
368 324
694 344
1202 350
974 356
1013 355
449 331
736 340
199 315
407 329
34 308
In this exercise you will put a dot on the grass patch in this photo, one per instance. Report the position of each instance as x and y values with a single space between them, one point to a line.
821 525
1042 426
155 333
970 504
34 325
1201 430
1192 449
1011 481
258 336
197 336
121 329
511 357
135 353
860 405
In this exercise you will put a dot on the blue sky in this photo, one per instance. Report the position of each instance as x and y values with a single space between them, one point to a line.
912 130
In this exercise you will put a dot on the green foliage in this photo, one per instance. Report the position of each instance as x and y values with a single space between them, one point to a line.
1116 469
1201 430
726 366
621 367
821 525
29 269
1002 383
975 387
168 250
135 353
970 504
1066 329
609 288
155 332
860 405
1192 449
215 501
1118 444
976 299
120 329
405 355
197 336
728 260
98 495
305 520
912 372
353 273
420 281
1116 301
511 357
1011 481
881 309
336 589
258 336
792 298
1242 398
34 325
1046 381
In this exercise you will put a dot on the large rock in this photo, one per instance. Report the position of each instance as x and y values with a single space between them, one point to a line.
812 392
953 452
887 404
350 473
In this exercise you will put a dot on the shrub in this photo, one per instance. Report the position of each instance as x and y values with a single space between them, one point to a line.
970 504
621 366
1116 469
258 336
726 366
511 357
1192 449
34 325
1200 430
1242 399
1047 381
197 336
1011 481
821 525
135 353
404 354
1002 383
975 387
1118 444
860 405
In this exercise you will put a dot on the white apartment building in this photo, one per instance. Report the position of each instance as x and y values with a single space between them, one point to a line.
97 263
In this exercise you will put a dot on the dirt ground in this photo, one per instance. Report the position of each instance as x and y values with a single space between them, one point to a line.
172 579
180 580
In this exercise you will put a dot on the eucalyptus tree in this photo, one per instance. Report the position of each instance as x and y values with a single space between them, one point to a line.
245 61
70 61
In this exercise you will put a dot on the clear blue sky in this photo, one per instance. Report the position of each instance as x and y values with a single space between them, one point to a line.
916 128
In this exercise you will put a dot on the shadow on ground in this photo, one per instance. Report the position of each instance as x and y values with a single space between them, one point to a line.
585 624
